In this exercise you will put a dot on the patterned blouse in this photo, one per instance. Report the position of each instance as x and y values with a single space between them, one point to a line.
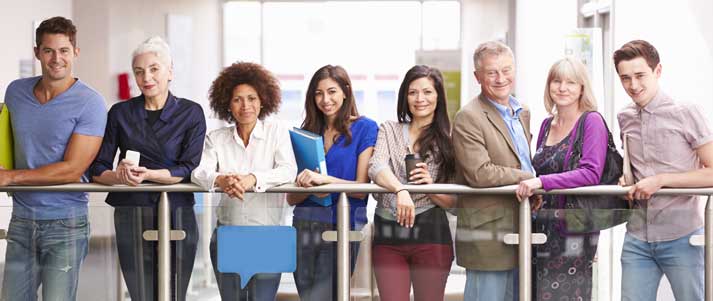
390 151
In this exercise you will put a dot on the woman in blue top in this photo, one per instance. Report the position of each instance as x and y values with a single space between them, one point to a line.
168 132
349 141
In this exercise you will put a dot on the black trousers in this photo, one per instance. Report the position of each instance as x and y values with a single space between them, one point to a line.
139 258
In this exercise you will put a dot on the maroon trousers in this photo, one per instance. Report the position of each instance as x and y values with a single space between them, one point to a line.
425 265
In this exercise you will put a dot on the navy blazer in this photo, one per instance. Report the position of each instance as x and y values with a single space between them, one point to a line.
174 142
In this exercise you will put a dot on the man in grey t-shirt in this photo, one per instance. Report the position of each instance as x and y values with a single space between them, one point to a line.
669 145
58 124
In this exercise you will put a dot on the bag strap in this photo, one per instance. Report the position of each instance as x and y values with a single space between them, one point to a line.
610 137
544 131
579 134
575 146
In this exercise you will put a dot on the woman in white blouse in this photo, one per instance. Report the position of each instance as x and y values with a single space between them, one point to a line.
252 154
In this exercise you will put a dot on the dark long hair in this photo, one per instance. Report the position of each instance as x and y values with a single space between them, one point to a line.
435 138
314 120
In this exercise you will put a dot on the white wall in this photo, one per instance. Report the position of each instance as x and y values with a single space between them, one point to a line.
540 28
117 27
481 20
17 33
681 31
109 31
91 18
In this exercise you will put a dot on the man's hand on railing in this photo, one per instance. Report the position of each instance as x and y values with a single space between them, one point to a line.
622 182
5 178
644 189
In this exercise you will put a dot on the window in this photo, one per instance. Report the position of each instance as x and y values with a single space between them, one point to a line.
375 41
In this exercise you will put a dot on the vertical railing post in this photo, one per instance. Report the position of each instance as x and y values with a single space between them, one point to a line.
708 232
164 248
525 251
343 265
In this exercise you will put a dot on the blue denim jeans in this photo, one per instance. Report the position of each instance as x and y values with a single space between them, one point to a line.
316 274
47 252
490 285
644 263
261 287
139 258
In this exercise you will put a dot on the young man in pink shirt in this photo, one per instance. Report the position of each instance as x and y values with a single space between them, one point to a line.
669 145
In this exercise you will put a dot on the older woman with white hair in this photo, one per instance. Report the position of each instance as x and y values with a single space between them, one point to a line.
168 133
564 263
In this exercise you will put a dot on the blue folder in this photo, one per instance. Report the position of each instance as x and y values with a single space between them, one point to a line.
309 154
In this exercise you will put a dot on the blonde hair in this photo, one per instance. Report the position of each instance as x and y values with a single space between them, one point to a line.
570 68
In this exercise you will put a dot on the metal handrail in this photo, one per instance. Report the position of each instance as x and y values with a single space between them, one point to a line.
356 188
524 231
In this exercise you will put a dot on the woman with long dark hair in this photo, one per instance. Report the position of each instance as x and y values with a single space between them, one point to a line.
412 240
348 144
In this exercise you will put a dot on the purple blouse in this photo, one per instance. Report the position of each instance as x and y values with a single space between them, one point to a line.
591 165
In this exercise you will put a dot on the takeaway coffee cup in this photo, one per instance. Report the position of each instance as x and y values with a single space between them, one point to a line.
411 161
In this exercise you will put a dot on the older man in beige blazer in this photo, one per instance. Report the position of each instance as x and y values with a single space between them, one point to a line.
491 137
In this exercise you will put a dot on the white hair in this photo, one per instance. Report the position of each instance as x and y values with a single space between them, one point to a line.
157 46
490 48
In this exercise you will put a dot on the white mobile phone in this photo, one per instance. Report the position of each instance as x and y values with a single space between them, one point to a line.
133 156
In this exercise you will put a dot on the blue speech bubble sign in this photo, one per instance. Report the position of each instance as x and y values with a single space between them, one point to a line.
248 250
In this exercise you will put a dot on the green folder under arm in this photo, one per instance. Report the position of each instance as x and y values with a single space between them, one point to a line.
6 143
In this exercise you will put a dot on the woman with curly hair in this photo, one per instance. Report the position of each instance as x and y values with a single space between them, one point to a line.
251 154
348 143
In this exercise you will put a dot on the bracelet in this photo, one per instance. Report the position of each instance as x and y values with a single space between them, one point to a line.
400 190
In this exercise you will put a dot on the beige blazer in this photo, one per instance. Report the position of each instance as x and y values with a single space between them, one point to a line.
486 157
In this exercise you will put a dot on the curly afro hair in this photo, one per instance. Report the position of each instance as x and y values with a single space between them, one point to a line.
266 85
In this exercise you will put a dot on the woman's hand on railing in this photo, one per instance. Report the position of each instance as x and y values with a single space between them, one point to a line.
536 202
527 187
137 175
308 178
230 185
405 209
124 173
247 181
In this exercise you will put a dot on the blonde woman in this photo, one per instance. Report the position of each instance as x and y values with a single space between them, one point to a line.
564 263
